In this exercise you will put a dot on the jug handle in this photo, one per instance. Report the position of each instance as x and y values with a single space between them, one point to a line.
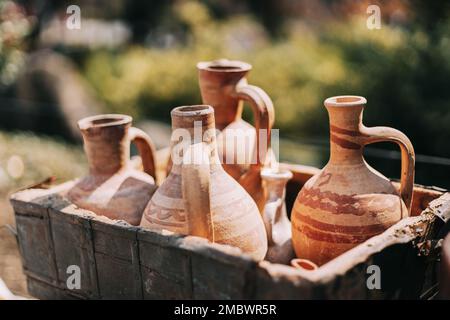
264 114
196 189
379 134
146 149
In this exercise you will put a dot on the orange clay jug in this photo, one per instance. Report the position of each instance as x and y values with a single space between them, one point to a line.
200 198
113 187
242 149
348 201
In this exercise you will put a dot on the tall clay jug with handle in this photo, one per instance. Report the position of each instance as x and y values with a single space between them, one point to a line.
113 187
348 201
243 150
198 197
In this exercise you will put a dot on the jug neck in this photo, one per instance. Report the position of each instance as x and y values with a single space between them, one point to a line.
105 143
218 81
345 114
191 125
275 183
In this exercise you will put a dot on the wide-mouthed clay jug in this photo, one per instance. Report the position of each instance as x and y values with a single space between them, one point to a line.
198 197
348 201
242 149
276 221
113 187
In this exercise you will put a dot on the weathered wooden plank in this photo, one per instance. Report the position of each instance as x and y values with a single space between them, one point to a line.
117 258
34 234
165 266
33 201
220 272
36 246
73 243
275 281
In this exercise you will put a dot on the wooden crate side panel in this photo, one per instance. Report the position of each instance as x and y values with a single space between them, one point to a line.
178 267
165 266
36 246
280 282
380 276
350 286
158 286
117 278
114 241
117 259
220 272
72 237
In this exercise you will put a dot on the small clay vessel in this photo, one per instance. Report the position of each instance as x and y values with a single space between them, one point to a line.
198 197
113 187
304 264
278 226
348 201
243 152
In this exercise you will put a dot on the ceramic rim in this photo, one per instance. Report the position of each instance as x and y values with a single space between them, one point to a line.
194 110
224 65
104 120
274 174
345 101
304 264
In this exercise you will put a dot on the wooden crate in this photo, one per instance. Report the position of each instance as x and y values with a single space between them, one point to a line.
118 260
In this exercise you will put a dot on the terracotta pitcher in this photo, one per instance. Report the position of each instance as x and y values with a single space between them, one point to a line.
224 86
200 198
113 188
276 221
348 201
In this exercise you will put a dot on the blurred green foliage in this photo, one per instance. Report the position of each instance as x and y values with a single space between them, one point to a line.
27 159
404 73
14 27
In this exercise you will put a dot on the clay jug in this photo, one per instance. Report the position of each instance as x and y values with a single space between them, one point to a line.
200 198
304 264
348 201
243 152
278 226
113 187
